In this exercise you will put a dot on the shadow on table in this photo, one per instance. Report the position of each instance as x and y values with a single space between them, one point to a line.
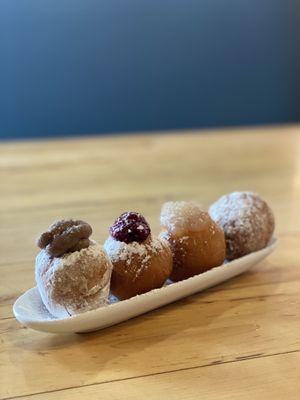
203 329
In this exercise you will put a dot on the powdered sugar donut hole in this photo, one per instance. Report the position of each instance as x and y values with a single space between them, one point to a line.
75 282
247 221
138 267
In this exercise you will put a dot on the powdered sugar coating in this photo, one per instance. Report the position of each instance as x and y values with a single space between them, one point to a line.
247 222
75 282
182 216
120 251
138 267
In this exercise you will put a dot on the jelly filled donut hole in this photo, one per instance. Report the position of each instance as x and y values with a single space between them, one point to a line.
196 241
140 262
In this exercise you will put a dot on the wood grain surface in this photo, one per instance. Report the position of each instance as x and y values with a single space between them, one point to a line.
238 340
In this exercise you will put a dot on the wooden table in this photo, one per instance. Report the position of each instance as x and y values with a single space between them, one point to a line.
240 340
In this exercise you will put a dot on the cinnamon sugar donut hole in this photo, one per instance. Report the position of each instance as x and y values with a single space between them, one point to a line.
247 221
196 241
140 263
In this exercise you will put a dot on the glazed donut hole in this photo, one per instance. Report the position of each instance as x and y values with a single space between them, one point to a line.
196 241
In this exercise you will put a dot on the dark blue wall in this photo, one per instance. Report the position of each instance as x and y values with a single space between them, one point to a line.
87 66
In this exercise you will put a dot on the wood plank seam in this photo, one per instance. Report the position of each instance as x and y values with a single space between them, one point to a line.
213 363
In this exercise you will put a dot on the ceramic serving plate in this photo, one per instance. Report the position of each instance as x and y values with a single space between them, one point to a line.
30 311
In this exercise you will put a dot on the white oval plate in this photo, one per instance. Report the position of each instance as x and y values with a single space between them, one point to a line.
30 311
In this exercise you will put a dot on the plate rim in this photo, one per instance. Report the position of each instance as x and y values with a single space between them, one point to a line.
123 303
